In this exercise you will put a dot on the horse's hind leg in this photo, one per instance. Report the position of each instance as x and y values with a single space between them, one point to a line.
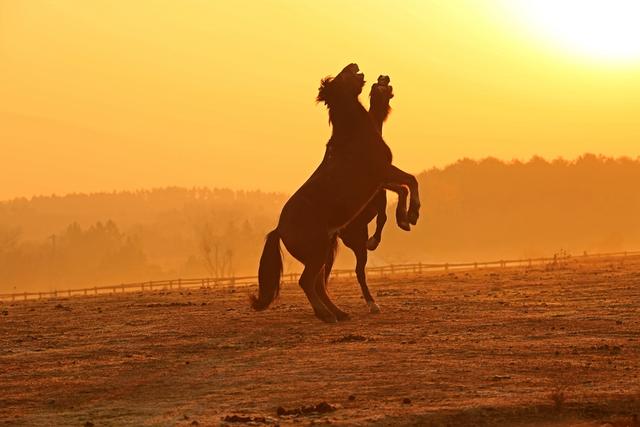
331 256
321 290
313 272
323 279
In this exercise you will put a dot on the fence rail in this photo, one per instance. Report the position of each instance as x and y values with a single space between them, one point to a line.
242 281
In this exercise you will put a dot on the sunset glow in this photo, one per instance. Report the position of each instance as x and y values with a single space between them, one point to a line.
100 96
604 30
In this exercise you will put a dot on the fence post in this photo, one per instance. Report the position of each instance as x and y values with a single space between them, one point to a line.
69 292
95 290
170 284
392 269
179 283
39 295
420 267
25 296
446 267
122 286
85 292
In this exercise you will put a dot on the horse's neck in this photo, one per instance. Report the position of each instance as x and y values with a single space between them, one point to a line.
355 130
378 112
347 121
344 114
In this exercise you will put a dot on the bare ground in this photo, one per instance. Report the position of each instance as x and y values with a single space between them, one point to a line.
515 347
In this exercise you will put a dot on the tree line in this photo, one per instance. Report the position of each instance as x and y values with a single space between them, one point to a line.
472 210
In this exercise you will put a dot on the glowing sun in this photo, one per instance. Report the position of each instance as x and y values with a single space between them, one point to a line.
608 30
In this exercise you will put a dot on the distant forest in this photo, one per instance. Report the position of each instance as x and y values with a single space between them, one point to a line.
472 210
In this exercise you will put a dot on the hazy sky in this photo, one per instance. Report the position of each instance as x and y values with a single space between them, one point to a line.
108 95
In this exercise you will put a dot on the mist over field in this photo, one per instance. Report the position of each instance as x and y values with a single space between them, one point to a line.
472 210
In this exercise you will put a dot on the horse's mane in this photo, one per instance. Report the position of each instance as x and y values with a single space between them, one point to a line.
335 100
322 95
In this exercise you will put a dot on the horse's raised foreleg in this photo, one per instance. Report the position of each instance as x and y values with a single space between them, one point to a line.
401 208
397 176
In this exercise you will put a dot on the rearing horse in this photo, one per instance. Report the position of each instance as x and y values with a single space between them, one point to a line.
355 235
357 166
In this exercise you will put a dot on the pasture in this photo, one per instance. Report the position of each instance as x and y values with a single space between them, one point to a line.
554 345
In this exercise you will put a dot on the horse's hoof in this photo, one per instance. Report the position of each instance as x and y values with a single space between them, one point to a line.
404 225
374 308
342 316
327 317
413 217
372 243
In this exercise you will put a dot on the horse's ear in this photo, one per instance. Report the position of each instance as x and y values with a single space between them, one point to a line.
323 89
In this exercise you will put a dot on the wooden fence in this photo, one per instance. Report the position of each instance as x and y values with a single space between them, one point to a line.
382 271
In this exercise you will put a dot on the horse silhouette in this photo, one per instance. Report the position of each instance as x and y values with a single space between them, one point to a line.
355 234
356 166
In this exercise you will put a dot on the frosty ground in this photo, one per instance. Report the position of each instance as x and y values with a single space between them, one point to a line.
553 345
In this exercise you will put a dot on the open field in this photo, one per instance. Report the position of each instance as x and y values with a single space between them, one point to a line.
550 346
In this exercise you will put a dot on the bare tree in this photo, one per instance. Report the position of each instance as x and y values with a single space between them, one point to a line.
218 259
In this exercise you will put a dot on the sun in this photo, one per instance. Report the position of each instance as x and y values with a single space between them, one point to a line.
607 30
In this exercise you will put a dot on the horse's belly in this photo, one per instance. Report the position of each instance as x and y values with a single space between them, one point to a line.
346 207
336 193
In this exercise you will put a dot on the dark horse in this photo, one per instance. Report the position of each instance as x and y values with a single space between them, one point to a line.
356 167
355 235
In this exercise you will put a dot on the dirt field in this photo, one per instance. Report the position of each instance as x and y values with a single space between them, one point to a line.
515 347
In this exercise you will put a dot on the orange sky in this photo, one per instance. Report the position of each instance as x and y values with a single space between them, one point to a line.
107 95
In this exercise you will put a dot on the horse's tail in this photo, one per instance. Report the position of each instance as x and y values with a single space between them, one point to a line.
269 273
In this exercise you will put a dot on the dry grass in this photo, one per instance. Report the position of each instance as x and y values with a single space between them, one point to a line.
558 397
512 347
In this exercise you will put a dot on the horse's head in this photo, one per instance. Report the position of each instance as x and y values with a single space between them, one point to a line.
381 91
380 95
344 87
